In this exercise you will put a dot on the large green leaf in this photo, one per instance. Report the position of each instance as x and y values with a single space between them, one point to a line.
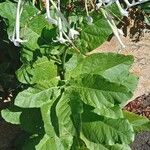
106 131
114 67
93 35
111 112
49 129
34 32
69 109
99 63
61 142
36 96
95 90
41 71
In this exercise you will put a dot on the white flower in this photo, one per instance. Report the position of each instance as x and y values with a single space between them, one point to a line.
48 16
99 4
16 33
60 39
18 41
73 33
120 32
122 11
127 3
51 20
113 26
107 1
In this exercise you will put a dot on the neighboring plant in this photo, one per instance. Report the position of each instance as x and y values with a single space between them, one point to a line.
70 100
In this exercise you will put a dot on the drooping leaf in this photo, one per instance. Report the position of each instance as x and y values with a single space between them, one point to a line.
36 97
139 123
94 146
57 142
69 109
114 130
10 116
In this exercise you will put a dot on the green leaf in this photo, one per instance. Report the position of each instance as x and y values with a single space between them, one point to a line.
10 116
139 123
36 97
35 31
57 142
94 146
92 36
91 145
49 129
111 112
106 131
8 10
145 7
114 67
32 27
99 63
95 90
44 144
41 71
69 109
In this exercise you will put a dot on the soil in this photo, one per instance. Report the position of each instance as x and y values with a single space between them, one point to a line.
8 135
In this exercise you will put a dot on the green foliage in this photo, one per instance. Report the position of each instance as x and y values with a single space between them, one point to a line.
69 101
139 123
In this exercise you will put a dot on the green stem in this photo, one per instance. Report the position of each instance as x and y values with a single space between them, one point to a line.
63 64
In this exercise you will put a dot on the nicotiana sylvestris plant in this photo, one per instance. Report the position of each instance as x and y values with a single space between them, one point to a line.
71 100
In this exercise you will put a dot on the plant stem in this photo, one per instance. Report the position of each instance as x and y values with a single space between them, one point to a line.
86 8
63 64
